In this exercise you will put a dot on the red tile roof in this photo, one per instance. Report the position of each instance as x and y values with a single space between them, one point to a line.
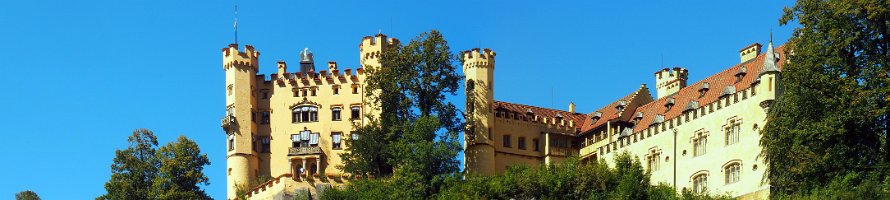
610 113
717 83
576 118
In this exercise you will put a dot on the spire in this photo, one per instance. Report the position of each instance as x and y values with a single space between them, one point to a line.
769 63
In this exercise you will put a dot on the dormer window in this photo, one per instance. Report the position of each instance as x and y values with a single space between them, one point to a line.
621 105
740 74
638 116
704 89
669 103
596 116
729 90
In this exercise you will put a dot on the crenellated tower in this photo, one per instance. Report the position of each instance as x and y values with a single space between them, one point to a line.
372 48
241 69
669 81
479 82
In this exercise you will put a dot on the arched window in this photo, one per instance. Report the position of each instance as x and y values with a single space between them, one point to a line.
700 183
304 114
732 172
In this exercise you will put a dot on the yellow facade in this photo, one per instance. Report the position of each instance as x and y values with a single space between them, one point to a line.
703 136
287 127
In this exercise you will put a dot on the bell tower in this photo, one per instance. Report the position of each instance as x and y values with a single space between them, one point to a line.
478 69
241 161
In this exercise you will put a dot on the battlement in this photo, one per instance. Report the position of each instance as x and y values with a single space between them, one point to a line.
369 41
233 57
477 58
669 81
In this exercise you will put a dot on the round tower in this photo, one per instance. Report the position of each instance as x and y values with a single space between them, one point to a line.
240 68
372 48
479 79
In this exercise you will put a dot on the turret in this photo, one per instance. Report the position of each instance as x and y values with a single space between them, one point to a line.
768 79
240 69
372 48
478 69
670 81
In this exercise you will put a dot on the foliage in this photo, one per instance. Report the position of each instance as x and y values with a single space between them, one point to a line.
414 138
569 179
832 119
141 171
27 195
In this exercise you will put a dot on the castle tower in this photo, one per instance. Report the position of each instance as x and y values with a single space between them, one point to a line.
670 81
479 74
768 86
372 48
240 68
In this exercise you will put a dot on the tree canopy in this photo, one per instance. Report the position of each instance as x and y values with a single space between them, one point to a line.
414 138
27 195
142 171
831 122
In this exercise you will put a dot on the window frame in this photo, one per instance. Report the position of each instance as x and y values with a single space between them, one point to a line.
507 142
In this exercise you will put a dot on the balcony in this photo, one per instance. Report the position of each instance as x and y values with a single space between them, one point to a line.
228 121
555 151
299 151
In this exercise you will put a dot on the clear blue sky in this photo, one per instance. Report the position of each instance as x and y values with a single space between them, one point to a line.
80 76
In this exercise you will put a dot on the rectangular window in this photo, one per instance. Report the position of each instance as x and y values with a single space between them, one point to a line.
653 163
266 145
537 144
335 140
700 146
314 92
521 143
732 133
336 90
264 117
335 113
355 89
296 93
304 92
313 139
356 113
507 141
295 140
231 142
253 116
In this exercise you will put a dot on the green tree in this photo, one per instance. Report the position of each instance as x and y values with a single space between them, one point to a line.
133 168
27 195
180 172
833 116
415 135
142 171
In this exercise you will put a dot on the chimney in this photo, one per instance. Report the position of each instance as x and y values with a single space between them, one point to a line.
750 52
571 107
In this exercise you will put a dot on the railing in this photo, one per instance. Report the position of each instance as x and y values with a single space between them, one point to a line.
562 151
296 151
587 150
228 121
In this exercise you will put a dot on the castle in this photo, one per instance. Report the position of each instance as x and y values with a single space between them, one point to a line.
291 126
669 133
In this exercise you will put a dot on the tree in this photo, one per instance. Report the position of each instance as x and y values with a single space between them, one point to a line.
180 172
133 168
27 195
415 135
141 171
832 119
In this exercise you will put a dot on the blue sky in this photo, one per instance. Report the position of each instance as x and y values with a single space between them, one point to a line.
81 76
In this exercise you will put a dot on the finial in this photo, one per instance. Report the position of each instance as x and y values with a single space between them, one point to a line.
770 35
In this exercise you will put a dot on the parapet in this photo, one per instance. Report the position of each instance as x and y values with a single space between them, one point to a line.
476 58
370 41
233 57
675 73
